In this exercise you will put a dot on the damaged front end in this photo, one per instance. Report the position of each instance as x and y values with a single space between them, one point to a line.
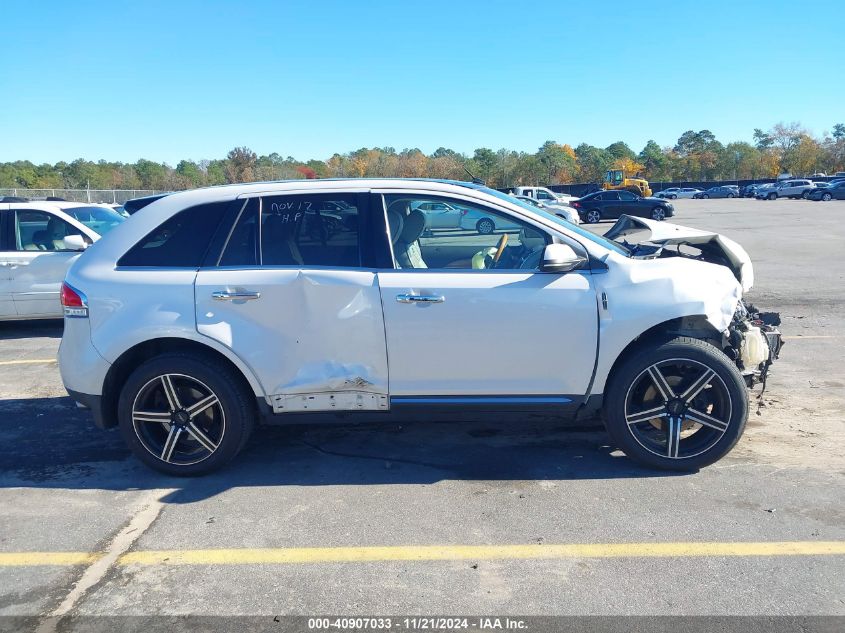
752 339
753 342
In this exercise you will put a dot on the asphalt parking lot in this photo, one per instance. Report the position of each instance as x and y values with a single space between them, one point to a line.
435 518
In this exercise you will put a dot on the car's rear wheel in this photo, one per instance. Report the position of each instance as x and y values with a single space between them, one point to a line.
772 196
730 195
679 405
806 194
705 196
485 226
827 197
593 216
673 197
185 414
658 213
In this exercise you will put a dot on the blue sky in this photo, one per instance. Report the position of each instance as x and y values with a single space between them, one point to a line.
166 80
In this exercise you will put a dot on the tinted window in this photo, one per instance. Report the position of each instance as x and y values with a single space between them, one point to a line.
179 242
626 195
296 230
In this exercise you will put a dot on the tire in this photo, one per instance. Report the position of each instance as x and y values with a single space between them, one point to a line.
806 195
681 362
593 216
772 196
658 213
705 196
200 443
730 195
673 197
827 197
485 226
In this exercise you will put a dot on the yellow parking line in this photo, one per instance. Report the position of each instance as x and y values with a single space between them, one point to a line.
34 559
281 556
37 361
475 552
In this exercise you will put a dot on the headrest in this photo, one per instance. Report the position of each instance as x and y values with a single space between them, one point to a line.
395 223
414 226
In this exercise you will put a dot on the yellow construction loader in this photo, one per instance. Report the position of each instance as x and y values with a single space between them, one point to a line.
616 179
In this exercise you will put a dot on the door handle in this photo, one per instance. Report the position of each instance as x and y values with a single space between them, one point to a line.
420 298
225 295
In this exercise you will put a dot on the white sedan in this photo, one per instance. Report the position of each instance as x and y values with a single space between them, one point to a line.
38 243
673 193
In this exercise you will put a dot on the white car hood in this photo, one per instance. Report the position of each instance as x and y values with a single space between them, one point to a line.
633 230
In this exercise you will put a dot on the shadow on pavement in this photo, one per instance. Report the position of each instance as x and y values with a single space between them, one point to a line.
50 443
49 328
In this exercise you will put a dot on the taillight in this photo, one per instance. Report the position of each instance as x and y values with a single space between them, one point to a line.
576 204
74 302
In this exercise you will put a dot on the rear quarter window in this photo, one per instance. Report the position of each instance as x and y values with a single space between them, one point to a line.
181 241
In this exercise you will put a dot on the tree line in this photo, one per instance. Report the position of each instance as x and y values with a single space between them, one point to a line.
697 156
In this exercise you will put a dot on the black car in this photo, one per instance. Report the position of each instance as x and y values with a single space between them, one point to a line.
136 204
836 191
609 205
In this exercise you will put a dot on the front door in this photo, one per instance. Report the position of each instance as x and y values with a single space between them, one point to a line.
39 261
470 319
295 303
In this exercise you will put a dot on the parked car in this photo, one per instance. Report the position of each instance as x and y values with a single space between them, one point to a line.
543 194
749 191
835 191
609 205
819 174
722 191
564 211
785 189
136 204
212 310
38 242
678 192
440 215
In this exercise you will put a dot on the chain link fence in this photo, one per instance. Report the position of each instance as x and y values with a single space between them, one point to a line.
108 196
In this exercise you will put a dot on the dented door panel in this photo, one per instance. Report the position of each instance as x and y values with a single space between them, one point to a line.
314 337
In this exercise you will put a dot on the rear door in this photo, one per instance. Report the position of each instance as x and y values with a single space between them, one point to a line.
40 260
300 305
7 306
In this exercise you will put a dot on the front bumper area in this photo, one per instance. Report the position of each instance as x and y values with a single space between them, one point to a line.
754 342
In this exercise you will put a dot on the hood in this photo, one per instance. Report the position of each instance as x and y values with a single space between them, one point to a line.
715 248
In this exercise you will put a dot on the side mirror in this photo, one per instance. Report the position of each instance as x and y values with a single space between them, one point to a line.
75 243
560 258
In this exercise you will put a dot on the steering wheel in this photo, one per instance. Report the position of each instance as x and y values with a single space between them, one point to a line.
500 248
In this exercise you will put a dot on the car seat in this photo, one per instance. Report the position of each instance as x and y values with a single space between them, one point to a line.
407 250
278 245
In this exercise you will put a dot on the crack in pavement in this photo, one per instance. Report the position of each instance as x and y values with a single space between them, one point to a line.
147 511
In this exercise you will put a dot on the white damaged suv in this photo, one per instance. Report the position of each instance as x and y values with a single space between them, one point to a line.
216 309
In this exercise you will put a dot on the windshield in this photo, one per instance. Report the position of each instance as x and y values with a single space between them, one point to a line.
597 239
99 219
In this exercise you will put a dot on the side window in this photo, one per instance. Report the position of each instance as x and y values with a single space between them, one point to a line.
181 241
542 195
626 195
296 230
479 238
41 231
610 195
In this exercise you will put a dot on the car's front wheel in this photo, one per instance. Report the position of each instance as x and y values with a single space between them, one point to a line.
730 195
827 197
772 196
185 414
658 213
705 196
677 405
593 216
